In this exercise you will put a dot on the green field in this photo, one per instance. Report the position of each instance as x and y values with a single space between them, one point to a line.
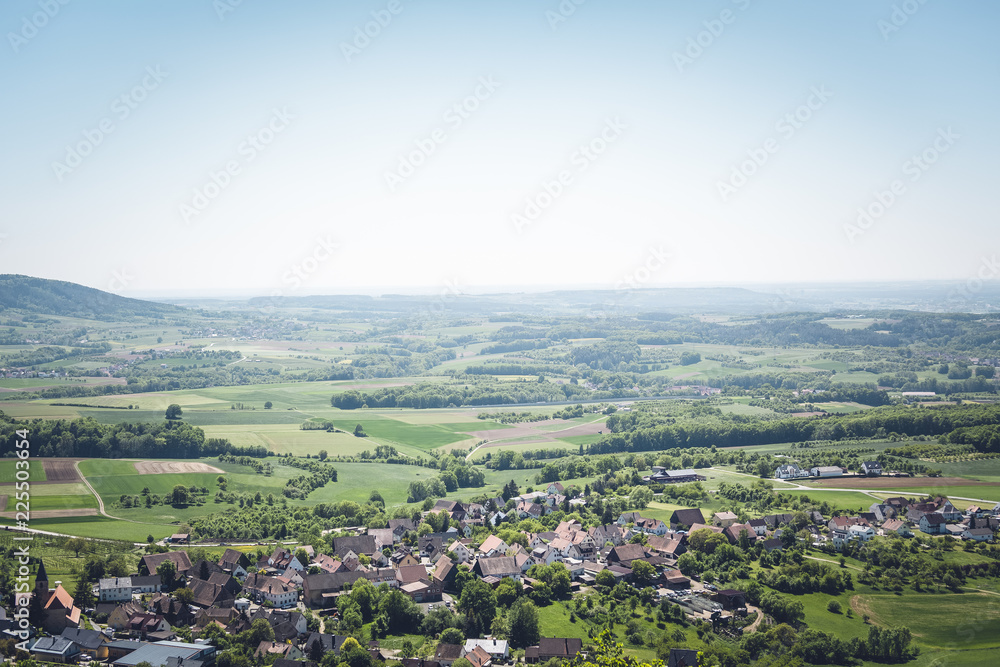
8 470
848 501
973 619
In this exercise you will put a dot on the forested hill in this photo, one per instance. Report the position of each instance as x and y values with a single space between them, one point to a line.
56 297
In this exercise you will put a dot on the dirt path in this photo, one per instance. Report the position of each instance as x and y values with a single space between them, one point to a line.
100 503
753 626
833 562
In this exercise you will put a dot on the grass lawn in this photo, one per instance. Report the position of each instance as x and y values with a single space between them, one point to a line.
842 500
973 619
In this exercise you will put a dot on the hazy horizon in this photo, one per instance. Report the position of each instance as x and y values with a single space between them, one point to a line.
305 148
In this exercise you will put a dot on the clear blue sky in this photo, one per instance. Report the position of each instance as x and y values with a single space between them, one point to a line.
183 84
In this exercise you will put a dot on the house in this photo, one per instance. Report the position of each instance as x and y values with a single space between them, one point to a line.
625 554
789 471
774 520
528 510
498 566
403 557
400 527
209 594
234 562
90 642
932 524
861 532
114 589
354 546
425 589
171 609
871 469
120 615
492 546
410 573
686 517
554 488
497 648
978 534
759 526
602 535
675 580
142 626
897 526
826 471
553 647
179 538
668 547
724 519
146 584
949 511
773 544
273 590
448 653
651 526
431 546
121 648
151 562
663 476
326 643
478 657
54 649
735 531
444 573
285 651
683 657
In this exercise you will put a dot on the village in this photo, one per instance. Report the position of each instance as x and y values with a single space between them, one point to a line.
162 613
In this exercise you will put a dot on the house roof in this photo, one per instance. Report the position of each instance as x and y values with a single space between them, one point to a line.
497 566
88 639
410 573
687 517
449 652
57 645
59 599
627 552
491 543
180 559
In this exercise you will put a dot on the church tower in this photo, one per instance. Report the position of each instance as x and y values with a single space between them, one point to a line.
41 583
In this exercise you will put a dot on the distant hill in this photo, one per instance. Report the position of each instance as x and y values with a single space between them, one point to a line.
56 297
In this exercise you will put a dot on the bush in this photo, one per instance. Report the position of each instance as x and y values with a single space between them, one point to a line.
833 606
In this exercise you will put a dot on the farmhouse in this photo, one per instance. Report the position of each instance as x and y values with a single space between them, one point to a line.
871 468
789 471
552 647
686 517
663 476
932 524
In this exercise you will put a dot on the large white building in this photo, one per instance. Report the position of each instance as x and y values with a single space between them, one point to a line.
826 471
115 589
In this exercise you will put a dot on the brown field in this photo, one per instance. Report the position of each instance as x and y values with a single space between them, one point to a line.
3 502
55 514
60 471
157 467
894 482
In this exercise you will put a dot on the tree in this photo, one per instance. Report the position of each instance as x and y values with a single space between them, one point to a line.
605 578
359 431
173 411
179 496
452 636
522 623
643 571
479 599
268 405
184 595
83 595
76 545
640 497
833 606
167 571
323 454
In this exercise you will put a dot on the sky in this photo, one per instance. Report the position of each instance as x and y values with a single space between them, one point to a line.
299 147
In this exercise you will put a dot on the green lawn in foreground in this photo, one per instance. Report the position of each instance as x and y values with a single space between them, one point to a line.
951 621
842 500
